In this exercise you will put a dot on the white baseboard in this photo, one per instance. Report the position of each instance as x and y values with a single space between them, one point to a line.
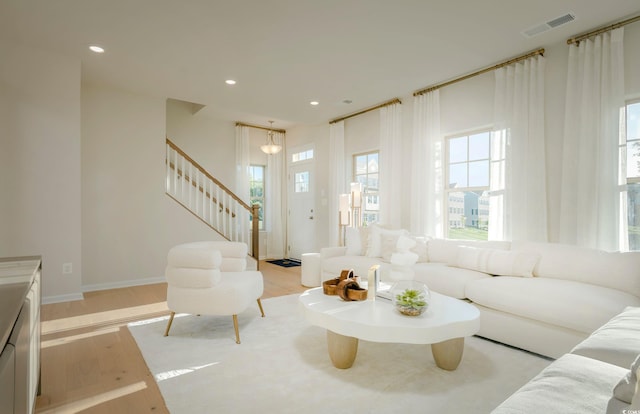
62 298
123 284
102 286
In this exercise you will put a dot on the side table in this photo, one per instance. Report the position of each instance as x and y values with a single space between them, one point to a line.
310 272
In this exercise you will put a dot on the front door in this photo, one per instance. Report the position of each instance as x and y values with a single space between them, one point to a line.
302 229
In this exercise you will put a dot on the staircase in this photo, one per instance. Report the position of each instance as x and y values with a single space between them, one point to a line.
209 200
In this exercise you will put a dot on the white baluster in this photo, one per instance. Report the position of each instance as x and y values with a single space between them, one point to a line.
175 172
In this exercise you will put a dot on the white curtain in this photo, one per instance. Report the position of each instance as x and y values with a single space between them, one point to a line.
242 163
337 178
390 178
427 185
518 196
591 178
276 201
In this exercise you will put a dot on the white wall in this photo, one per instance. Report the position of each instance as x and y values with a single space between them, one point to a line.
209 141
40 163
128 222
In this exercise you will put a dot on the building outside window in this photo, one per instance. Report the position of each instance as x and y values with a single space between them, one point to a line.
256 191
467 190
631 145
365 171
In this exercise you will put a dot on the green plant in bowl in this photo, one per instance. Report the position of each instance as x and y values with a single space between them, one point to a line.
411 302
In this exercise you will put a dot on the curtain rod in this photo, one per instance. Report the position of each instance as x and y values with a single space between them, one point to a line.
282 131
596 32
364 111
480 72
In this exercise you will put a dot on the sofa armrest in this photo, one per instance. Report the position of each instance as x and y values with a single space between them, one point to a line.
327 252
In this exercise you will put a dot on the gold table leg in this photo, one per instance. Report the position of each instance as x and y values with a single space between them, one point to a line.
448 354
342 349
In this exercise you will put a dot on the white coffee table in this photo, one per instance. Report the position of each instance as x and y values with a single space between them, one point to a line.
444 325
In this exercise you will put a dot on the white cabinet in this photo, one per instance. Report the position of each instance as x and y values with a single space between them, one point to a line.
19 334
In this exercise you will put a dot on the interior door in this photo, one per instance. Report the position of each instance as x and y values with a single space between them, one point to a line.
302 228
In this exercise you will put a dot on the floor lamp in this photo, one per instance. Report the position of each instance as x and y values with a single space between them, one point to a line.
356 203
344 217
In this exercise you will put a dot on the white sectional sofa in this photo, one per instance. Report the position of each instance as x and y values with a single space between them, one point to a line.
600 375
542 297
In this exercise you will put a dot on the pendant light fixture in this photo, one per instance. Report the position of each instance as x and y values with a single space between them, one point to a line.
270 147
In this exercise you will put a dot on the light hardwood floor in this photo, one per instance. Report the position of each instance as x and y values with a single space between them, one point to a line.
91 363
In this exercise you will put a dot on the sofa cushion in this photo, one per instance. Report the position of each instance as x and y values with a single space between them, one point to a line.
626 387
374 245
497 262
446 251
573 305
356 240
360 265
446 280
610 269
571 384
616 342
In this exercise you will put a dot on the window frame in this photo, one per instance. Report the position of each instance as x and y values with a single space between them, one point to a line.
625 178
454 197
368 216
261 211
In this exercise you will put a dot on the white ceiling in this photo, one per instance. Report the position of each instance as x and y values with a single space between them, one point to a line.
286 53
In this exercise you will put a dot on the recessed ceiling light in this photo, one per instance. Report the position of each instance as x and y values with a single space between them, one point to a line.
96 49
347 101
314 103
230 82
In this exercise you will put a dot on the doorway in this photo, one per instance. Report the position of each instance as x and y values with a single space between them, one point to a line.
301 190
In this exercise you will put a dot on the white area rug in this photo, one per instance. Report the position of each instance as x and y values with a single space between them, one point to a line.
282 366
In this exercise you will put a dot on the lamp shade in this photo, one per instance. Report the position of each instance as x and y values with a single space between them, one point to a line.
356 195
270 147
345 212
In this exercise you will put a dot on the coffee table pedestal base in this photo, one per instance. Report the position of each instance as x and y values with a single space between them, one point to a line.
448 354
342 349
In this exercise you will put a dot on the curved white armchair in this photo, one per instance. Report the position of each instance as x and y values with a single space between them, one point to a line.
209 278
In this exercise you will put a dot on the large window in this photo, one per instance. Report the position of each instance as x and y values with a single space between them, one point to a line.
467 191
256 191
631 146
366 172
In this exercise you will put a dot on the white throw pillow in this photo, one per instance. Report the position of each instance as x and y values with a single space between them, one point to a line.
374 249
626 388
353 241
388 243
421 250
497 262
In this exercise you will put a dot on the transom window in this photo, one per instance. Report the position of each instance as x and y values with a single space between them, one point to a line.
366 172
302 155
467 192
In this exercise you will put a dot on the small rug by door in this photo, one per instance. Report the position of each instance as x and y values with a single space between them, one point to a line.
285 262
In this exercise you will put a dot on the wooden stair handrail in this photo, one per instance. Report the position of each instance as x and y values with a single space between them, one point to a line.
255 245
206 173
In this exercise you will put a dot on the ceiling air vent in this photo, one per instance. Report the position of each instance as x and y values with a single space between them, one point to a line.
551 24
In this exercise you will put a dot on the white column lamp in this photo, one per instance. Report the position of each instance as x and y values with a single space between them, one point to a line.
356 203
344 216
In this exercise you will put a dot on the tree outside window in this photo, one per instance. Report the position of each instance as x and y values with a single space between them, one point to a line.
256 191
